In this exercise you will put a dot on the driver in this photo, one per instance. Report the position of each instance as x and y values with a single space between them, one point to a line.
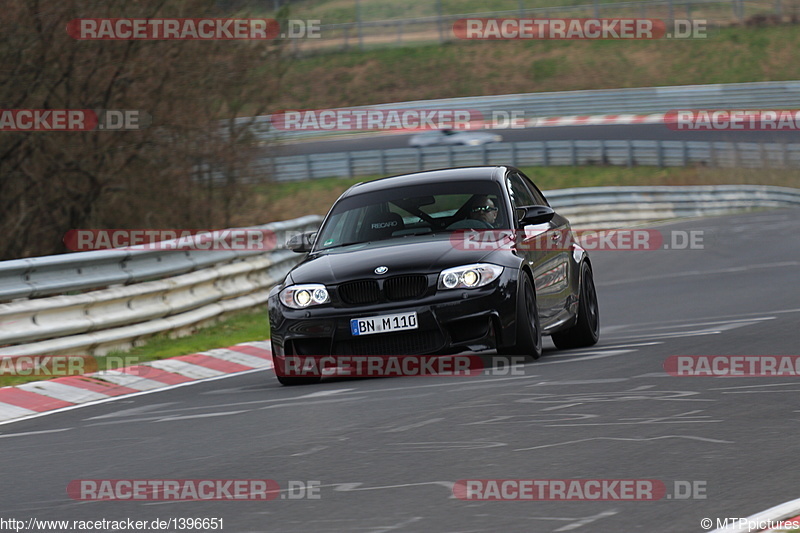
484 210
482 215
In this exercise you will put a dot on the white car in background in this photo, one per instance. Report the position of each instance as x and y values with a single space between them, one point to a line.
444 137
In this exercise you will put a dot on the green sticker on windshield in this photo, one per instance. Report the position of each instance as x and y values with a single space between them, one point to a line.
328 242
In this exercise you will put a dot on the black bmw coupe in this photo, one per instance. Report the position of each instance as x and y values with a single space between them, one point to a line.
436 262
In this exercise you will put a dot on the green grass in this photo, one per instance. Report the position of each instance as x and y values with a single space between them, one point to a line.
563 177
284 201
342 11
457 69
245 326
550 178
284 190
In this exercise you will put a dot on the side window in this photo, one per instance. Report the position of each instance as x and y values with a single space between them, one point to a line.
538 197
520 195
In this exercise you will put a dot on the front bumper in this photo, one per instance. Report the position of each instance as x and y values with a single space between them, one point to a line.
450 321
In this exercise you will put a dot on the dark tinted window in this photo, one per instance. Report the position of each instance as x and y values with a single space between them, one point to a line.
405 211
525 189
520 195
537 194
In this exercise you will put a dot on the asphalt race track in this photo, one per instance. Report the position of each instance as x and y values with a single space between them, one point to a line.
387 451
648 132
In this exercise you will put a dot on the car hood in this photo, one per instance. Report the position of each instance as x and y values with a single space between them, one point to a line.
398 255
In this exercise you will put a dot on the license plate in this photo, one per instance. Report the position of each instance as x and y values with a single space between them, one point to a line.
384 323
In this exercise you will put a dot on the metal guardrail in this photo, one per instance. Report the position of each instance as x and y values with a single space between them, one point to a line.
58 274
609 207
533 153
118 317
186 288
641 100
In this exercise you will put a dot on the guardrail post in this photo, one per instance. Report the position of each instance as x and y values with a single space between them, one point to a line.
713 151
439 21
514 154
784 156
400 32
685 153
484 154
763 155
660 153
630 153
271 171
450 155
736 157
573 156
382 162
545 155
360 26
419 159
309 170
348 157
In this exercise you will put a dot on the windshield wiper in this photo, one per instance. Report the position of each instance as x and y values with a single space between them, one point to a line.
423 233
341 245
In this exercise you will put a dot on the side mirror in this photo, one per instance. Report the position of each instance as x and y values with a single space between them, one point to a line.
302 243
534 214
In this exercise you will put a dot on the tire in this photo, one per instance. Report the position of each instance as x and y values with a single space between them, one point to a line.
529 331
586 330
293 380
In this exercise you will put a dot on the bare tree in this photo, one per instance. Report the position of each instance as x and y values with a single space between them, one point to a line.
51 182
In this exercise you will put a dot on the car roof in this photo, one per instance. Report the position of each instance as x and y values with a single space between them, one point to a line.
481 173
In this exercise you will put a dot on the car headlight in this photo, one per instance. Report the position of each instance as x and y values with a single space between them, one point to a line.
302 296
474 142
469 276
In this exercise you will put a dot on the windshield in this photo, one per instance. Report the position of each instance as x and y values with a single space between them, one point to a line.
417 210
